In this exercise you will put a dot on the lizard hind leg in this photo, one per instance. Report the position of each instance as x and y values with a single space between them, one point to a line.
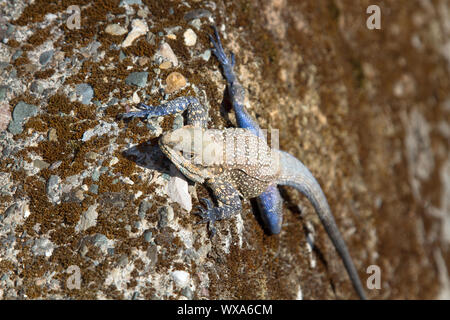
229 203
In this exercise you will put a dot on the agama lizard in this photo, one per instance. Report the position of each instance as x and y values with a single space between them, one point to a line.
236 162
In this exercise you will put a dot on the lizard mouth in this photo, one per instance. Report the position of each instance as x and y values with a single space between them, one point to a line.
187 167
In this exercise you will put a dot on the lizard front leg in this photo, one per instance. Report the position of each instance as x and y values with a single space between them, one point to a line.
229 203
197 115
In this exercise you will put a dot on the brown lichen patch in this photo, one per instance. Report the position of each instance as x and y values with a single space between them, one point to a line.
44 74
39 36
36 12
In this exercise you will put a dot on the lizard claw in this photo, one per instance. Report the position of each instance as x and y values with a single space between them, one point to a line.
218 49
207 214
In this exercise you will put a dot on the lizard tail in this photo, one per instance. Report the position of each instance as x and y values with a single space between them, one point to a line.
295 174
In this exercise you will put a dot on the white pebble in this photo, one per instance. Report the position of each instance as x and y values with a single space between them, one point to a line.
167 54
139 28
190 38
115 29
181 278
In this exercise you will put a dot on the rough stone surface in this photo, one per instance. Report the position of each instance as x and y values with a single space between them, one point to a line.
137 79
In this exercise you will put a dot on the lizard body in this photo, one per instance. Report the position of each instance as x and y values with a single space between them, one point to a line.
237 162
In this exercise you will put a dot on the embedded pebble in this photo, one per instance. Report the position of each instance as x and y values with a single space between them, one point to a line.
165 216
5 115
45 57
177 189
137 78
190 38
53 188
93 188
148 236
143 61
143 207
43 247
166 53
21 111
174 82
197 14
171 36
86 93
3 92
115 29
196 23
181 278
52 135
88 218
165 65
40 164
139 28
36 87
206 55
16 54
136 98
130 2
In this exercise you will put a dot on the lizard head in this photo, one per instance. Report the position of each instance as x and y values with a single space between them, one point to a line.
194 151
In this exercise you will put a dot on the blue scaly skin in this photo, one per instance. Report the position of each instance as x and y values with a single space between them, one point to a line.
269 202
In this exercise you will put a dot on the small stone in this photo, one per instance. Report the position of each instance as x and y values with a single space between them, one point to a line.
5 115
196 23
142 13
165 216
130 2
21 111
190 38
136 98
142 61
95 175
43 247
187 292
148 236
16 55
206 55
139 28
3 92
88 219
45 57
115 29
122 55
137 78
52 135
174 82
166 53
197 14
165 65
40 164
171 36
143 208
86 92
91 155
53 188
36 87
181 278
93 188
100 240
152 255
177 189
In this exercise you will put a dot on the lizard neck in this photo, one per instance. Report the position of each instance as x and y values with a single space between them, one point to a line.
295 174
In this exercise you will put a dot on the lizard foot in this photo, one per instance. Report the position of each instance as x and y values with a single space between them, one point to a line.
219 52
208 215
